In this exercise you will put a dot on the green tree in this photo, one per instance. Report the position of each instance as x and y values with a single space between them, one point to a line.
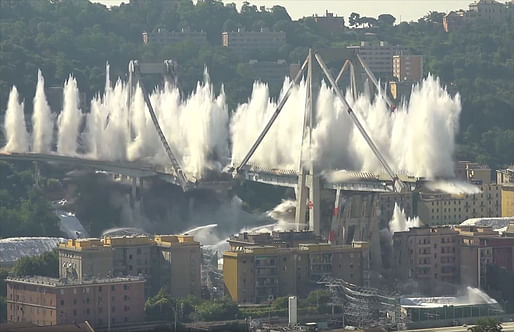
486 325
46 265
224 309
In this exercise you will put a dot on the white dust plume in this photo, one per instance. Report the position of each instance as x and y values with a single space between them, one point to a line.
69 120
400 223
417 138
281 146
42 119
454 187
14 125
107 124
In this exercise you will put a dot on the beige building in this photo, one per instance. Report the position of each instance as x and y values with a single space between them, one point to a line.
505 178
179 259
408 67
247 41
261 273
426 254
447 209
50 301
172 260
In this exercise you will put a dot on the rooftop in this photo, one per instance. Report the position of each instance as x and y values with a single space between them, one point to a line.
128 241
55 282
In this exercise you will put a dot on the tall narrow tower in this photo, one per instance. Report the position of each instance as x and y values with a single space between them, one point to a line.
308 188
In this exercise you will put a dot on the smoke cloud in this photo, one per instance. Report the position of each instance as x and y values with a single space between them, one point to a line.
15 130
418 138
42 119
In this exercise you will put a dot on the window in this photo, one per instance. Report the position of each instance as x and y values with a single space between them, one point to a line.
62 302
74 312
99 288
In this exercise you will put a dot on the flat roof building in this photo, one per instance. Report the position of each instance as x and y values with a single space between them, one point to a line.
49 301
480 247
163 37
248 41
172 260
447 209
426 253
261 273
379 57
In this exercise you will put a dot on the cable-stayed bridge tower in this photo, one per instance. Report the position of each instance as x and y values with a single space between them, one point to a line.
309 182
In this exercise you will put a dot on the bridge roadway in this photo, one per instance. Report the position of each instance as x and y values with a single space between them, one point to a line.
339 180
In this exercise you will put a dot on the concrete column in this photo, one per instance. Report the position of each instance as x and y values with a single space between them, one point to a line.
314 204
301 201
37 174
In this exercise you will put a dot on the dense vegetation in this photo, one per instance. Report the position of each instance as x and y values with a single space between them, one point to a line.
24 211
163 307
78 37
46 265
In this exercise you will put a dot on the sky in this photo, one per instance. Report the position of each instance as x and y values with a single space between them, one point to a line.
403 10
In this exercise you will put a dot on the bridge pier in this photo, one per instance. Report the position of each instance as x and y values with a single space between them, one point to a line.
136 191
37 174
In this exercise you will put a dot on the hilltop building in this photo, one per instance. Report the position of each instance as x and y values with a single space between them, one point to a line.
244 42
49 301
329 23
487 9
166 259
162 36
454 20
261 267
483 9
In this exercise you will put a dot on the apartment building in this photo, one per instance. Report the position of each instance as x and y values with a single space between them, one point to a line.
162 260
480 247
179 260
505 178
261 273
50 301
379 57
427 254
448 209
459 255
248 41
408 67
